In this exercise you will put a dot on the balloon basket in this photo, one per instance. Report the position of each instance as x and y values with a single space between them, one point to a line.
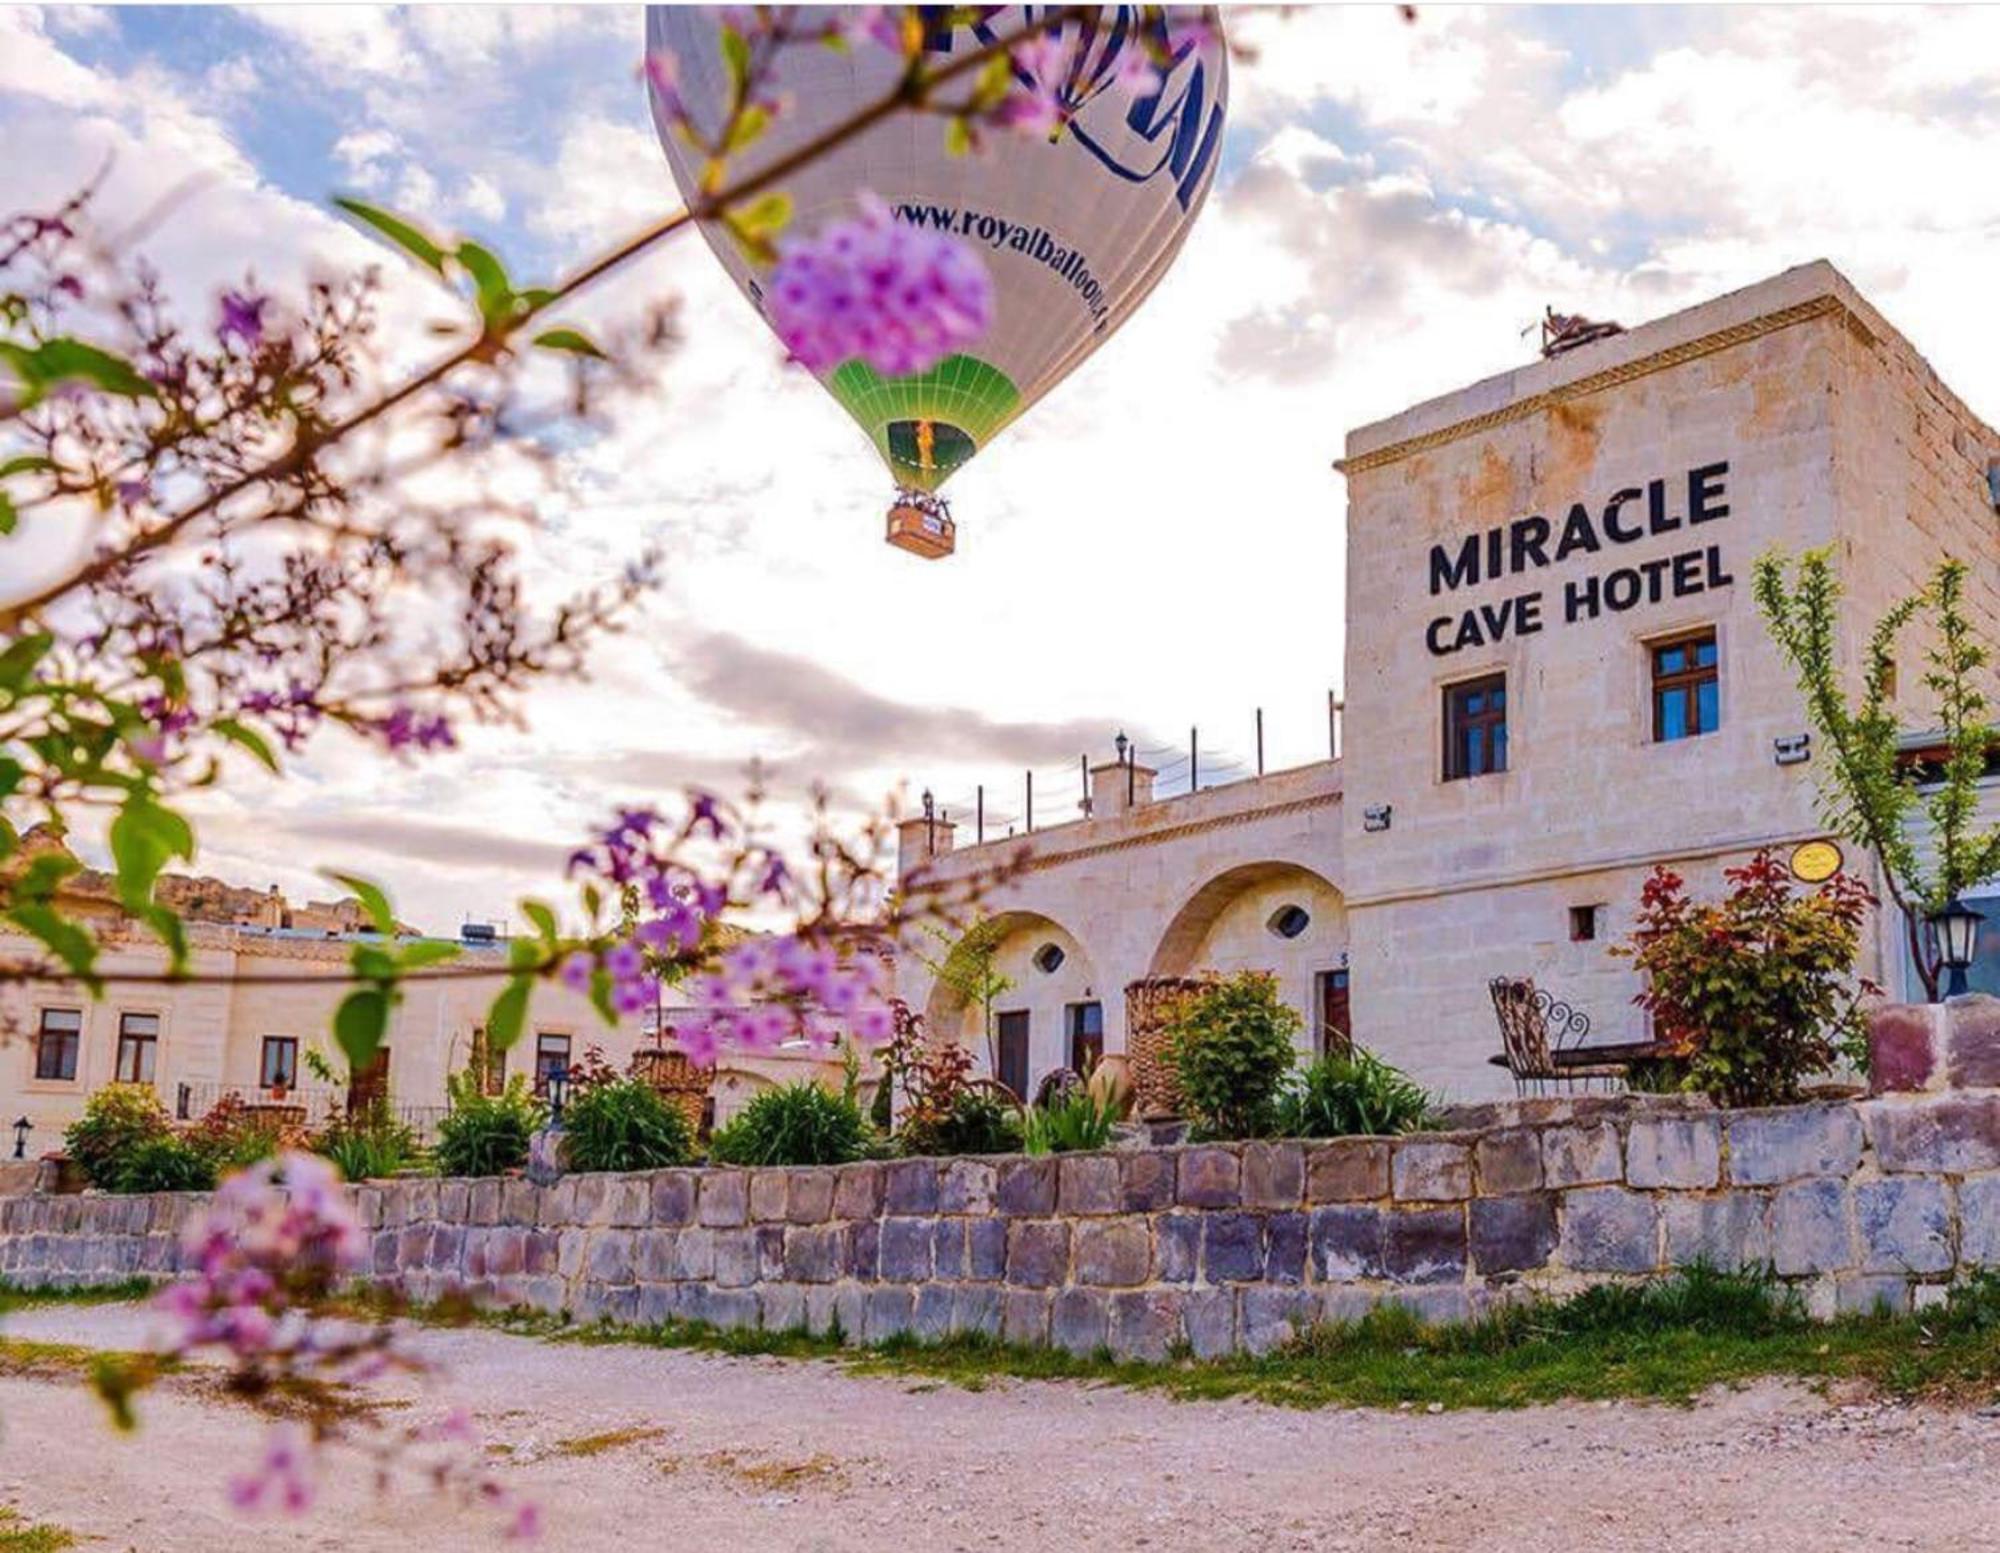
931 535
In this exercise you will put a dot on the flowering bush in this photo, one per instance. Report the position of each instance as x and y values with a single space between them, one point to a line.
116 1120
1754 991
1231 1045
167 1164
232 1134
367 1143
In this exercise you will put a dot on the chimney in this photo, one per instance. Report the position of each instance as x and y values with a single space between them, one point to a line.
1110 783
271 910
918 841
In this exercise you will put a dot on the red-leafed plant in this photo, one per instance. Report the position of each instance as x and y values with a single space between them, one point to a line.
1755 991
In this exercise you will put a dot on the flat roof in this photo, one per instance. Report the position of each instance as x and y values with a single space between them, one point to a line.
1805 291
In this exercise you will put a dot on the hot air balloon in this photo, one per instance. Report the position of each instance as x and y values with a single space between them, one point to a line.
1076 227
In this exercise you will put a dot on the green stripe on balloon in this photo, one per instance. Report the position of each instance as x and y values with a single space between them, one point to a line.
960 394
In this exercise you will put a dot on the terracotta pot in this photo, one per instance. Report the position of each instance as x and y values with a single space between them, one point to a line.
1111 1084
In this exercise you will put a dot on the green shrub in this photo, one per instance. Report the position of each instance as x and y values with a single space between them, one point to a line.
168 1163
976 1121
368 1144
1348 1093
1756 991
115 1121
1231 1045
799 1124
624 1125
483 1135
1068 1123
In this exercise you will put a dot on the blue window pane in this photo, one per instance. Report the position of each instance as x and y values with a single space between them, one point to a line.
1672 660
1500 748
1475 702
1704 653
1475 751
1673 715
1708 710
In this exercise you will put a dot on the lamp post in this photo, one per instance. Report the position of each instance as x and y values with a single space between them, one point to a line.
558 1093
1957 929
21 1130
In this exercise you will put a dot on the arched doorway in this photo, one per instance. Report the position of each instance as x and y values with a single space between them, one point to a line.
1046 1004
1275 916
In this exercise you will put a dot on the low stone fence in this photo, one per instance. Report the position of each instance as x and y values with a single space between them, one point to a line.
1218 1247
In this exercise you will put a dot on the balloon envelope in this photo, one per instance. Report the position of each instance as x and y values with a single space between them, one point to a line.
1076 230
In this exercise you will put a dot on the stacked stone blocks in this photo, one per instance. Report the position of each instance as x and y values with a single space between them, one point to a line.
1208 1248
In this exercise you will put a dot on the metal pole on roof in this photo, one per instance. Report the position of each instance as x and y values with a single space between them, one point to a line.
1031 803
1083 765
979 811
930 824
1260 741
1194 760
1332 727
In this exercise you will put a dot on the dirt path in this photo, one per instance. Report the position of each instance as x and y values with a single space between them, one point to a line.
781 1455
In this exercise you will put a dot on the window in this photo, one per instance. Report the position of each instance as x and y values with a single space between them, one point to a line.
138 1047
1086 1036
551 1058
1582 924
280 1068
1289 921
1013 1043
1049 959
1686 691
1475 727
369 1087
56 1043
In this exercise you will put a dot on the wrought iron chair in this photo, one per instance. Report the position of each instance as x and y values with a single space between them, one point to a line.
1526 1013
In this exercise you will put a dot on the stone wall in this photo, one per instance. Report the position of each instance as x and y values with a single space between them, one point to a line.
1219 1247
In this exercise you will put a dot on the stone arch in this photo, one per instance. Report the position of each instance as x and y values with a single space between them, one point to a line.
1226 924
734 1088
1044 996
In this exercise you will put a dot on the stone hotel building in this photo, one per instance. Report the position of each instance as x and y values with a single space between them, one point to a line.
1556 678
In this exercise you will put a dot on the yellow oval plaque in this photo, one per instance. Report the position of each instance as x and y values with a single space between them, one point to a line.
1815 861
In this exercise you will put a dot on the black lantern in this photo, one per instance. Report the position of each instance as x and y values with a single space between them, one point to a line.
1957 929
21 1130
558 1092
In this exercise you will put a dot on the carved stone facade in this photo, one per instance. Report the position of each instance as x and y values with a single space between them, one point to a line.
1548 531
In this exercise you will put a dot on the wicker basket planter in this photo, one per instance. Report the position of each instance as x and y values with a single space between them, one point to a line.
680 1082
1151 1006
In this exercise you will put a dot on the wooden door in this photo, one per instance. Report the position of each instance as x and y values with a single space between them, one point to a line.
1336 1023
1013 1043
369 1086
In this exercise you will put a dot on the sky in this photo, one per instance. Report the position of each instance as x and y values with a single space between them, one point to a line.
1158 545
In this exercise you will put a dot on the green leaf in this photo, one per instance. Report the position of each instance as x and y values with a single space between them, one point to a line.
406 237
736 55
8 515
246 737
18 661
27 463
574 341
543 918
360 1023
600 996
62 937
957 137
766 217
373 901
509 1013
44 873
144 835
750 124
427 951
489 277
64 360
371 962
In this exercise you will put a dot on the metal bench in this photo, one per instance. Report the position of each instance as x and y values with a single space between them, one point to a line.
1526 1013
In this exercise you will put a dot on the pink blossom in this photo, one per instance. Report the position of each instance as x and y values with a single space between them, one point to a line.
662 72
893 295
243 318
576 971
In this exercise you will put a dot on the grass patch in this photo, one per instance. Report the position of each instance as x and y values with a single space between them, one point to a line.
13 1297
18 1535
1667 1341
610 1440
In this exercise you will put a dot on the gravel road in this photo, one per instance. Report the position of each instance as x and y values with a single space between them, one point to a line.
717 1453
